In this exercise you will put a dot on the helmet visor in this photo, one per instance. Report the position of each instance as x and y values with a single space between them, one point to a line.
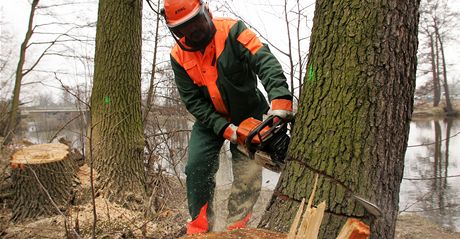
195 28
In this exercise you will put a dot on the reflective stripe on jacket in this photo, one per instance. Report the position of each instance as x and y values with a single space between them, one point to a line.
220 85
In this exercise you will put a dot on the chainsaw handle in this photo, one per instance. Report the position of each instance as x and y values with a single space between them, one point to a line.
268 122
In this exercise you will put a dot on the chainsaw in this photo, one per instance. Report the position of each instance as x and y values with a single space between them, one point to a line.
266 141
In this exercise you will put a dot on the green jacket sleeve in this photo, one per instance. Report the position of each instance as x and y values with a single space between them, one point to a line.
195 102
261 60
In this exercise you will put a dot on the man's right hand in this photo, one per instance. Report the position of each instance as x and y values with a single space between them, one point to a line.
230 133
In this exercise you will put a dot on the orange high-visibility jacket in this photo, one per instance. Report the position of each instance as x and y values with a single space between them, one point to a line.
219 86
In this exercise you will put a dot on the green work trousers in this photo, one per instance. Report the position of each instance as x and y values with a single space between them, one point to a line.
201 168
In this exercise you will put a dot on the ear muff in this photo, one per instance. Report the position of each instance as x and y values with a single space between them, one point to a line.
207 10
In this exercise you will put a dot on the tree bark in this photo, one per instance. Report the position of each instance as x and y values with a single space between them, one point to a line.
449 109
150 93
116 118
352 125
12 122
43 179
434 73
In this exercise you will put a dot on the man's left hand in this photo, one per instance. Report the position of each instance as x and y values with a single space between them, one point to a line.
281 108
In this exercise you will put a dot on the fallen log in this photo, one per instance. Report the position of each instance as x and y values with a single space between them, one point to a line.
43 178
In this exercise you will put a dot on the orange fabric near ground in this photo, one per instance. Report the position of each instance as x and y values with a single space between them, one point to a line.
200 224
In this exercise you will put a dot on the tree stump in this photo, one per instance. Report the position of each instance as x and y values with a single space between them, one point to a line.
43 178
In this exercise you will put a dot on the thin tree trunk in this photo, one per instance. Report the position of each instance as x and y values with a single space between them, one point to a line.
449 108
12 122
438 72
434 72
299 52
150 94
291 64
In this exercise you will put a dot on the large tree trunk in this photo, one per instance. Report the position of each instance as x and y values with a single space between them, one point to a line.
116 119
43 179
353 121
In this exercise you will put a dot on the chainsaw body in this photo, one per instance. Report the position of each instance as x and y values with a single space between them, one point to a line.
266 141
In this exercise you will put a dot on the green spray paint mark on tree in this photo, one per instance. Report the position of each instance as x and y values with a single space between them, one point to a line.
311 73
107 100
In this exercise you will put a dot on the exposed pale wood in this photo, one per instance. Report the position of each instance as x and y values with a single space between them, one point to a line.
295 223
354 229
314 222
43 178
304 224
40 154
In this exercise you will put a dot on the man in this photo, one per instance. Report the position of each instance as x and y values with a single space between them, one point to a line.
216 63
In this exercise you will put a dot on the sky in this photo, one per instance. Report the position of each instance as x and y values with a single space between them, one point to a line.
14 17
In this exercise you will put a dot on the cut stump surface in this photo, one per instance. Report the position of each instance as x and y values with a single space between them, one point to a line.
43 179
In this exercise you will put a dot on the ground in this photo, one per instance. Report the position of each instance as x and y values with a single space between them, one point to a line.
114 221
412 226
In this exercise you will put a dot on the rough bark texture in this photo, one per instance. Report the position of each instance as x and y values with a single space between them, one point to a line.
44 173
12 121
353 120
448 109
434 72
117 129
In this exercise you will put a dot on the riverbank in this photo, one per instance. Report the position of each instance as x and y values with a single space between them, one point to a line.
412 226
424 110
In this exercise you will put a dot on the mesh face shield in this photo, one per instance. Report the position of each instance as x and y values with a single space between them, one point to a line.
196 33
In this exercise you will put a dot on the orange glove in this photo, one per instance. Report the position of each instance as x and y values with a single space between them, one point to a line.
281 108
230 133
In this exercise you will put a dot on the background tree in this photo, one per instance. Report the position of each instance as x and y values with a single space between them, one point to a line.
51 38
352 125
437 25
44 100
117 131
9 129
294 16
5 61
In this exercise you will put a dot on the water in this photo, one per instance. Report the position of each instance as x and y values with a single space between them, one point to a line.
34 135
431 183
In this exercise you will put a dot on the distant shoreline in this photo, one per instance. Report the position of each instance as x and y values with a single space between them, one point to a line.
424 110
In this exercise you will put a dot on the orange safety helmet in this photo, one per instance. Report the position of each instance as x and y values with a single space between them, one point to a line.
178 12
